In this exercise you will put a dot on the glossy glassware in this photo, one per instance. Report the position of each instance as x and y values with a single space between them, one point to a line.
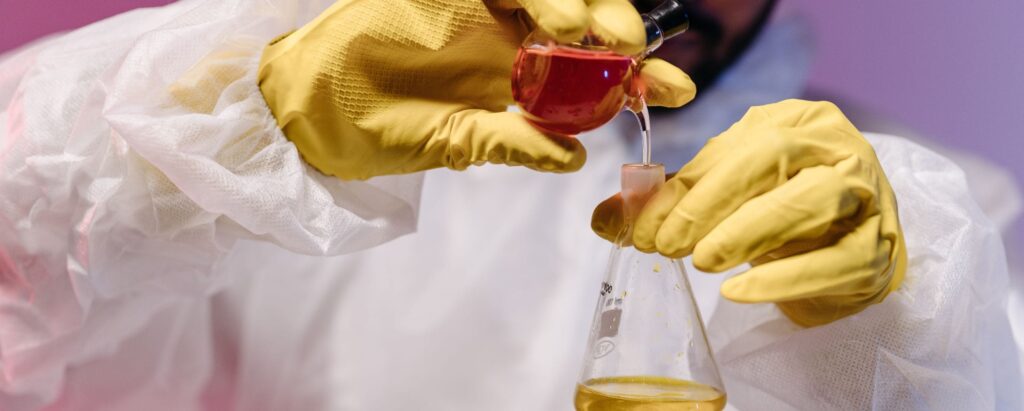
647 348
577 87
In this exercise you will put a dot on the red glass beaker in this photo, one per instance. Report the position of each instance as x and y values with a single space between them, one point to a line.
570 89
577 87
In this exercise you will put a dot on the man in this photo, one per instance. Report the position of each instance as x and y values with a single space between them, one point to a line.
485 307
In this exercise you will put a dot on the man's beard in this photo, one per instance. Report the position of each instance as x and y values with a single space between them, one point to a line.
710 31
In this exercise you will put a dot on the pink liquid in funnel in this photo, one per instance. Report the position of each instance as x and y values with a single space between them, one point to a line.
570 91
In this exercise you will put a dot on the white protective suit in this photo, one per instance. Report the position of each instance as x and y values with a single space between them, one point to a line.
153 258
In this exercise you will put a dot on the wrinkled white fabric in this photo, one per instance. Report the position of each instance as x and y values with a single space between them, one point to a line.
119 202
497 319
998 194
942 341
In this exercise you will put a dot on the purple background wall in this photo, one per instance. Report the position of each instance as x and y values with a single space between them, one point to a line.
952 69
24 20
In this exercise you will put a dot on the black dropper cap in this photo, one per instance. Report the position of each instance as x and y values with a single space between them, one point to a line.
667 20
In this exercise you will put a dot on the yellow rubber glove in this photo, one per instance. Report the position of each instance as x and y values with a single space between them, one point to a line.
377 87
794 189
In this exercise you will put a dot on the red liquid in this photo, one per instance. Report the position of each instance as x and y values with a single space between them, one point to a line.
570 91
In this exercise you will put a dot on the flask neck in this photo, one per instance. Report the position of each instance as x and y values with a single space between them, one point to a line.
671 18
639 182
655 37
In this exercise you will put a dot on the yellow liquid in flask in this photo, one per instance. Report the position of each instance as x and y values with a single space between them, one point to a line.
647 394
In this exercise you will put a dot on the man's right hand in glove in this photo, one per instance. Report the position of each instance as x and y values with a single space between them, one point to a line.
379 87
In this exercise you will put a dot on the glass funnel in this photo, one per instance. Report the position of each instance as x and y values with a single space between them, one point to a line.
647 348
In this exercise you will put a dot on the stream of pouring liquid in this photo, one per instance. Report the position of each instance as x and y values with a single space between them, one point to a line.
643 116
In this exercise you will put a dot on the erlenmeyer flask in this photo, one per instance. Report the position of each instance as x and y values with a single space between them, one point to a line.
647 348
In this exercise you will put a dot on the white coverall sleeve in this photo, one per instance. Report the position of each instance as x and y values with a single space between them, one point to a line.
134 153
942 341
